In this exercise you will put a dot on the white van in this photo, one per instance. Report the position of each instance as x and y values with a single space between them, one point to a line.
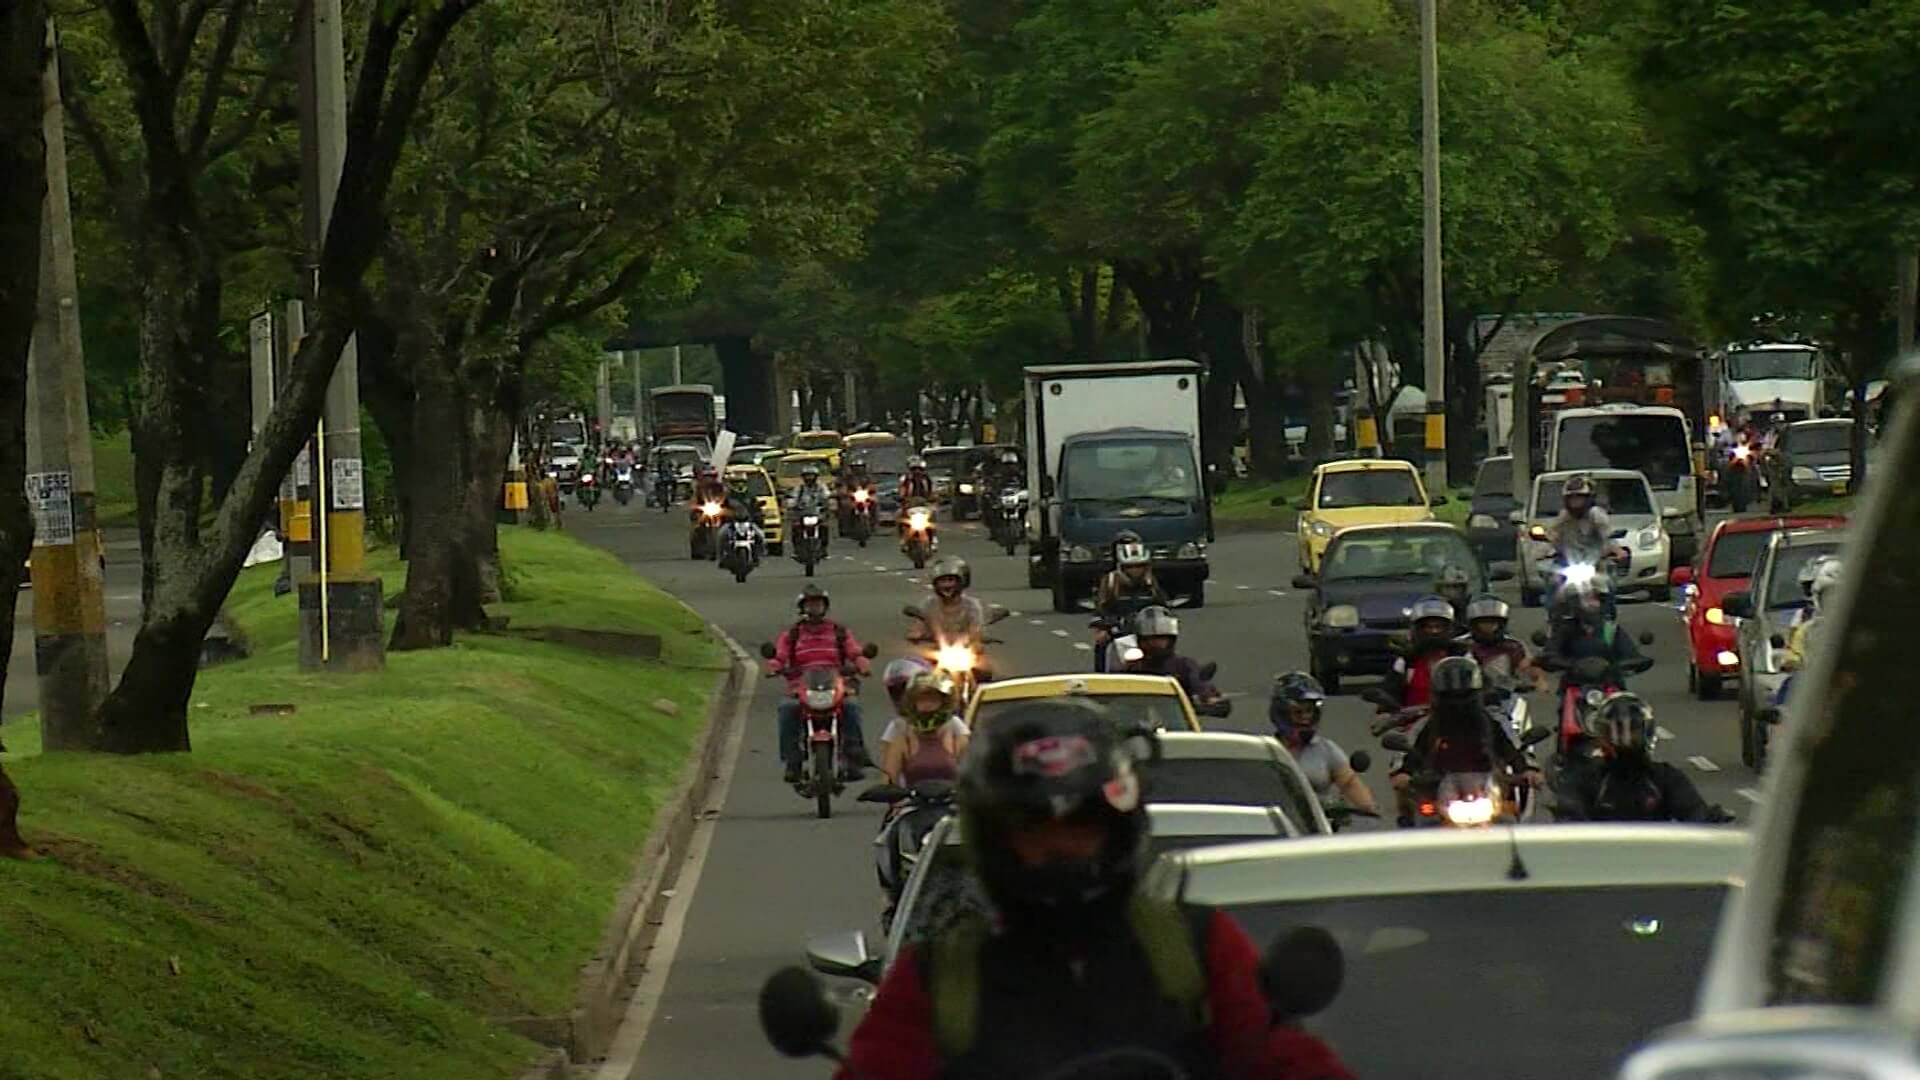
1653 440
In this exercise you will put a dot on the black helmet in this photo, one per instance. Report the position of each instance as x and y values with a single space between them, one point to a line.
1051 761
1457 678
813 592
1296 691
1623 721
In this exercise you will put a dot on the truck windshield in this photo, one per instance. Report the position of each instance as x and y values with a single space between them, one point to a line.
1155 469
1771 364
568 431
681 409
1654 444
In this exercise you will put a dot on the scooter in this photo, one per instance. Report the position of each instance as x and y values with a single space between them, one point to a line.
809 542
911 815
588 491
705 541
919 541
742 554
623 484
860 520
822 696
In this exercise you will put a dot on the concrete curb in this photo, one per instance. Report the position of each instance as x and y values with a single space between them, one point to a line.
586 1032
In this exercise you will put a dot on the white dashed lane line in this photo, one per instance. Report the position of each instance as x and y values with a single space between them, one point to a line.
1243 588
1275 592
1750 795
1059 633
1663 733
1037 622
1083 646
1703 764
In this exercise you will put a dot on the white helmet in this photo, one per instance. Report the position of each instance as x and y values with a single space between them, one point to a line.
1819 577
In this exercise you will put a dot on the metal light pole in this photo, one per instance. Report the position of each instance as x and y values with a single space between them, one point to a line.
1433 332
69 608
341 628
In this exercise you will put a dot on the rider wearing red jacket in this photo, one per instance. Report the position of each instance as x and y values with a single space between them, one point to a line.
1074 963
817 641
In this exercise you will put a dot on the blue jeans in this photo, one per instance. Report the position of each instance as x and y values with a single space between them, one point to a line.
853 742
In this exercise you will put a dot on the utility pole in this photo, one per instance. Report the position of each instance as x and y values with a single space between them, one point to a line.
676 365
341 625
603 396
1433 325
69 610
631 358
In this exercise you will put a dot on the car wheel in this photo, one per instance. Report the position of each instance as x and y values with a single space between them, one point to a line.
1197 598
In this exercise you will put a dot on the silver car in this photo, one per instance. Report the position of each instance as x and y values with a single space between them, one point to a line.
1766 613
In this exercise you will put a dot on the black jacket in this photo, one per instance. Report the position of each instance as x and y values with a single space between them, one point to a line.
1629 789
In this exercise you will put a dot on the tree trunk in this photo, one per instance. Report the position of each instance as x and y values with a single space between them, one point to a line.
387 392
1322 377
23 187
1220 345
438 497
1462 399
12 846
489 441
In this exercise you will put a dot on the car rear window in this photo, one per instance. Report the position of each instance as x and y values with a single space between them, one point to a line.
1128 711
1530 982
1496 478
1615 494
1737 554
1229 782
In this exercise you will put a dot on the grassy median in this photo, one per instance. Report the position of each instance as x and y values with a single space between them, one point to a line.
352 889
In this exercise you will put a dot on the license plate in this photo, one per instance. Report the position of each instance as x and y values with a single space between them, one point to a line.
822 735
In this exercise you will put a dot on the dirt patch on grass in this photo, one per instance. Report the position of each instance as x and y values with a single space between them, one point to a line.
87 860
614 643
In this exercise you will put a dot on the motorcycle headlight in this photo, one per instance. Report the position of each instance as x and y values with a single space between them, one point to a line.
809 521
1804 475
1191 551
1577 575
1741 453
819 699
917 519
1470 811
1080 554
711 509
955 658
1595 695
860 496
966 489
1320 529
1341 617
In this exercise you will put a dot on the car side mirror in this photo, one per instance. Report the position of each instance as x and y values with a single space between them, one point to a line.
1516 517
768 651
1681 577
1540 639
1437 500
1396 741
1778 641
1500 573
1303 581
1738 604
844 954
1302 973
1359 761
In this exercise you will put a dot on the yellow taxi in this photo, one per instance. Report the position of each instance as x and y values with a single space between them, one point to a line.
760 488
1154 700
787 471
1359 491
819 441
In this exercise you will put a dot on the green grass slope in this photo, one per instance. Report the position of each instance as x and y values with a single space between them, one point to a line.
352 889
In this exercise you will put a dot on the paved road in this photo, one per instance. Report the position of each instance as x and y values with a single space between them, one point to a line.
775 875
123 618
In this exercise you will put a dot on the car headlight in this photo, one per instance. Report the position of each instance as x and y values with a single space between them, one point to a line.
1716 616
1805 475
1320 529
1649 539
966 489
1080 554
1728 658
1341 617
1482 521
1191 551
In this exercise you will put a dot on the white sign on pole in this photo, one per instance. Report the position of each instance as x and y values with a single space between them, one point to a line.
51 496
348 493
303 467
723 448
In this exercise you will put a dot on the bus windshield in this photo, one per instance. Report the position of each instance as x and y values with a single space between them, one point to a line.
1771 364
1654 444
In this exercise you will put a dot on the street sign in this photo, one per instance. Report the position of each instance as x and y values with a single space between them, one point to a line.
51 496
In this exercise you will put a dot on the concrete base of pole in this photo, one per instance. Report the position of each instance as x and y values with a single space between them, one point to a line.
70 638
356 629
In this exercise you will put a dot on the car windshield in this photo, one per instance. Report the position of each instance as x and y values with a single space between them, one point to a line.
790 469
1120 471
1496 478
1368 487
1651 443
677 455
1771 364
1392 554
1228 782
943 462
1820 438
885 457
1737 554
1128 711
1615 494
1521 983
1783 586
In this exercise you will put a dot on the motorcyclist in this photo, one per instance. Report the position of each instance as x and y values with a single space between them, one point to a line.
1003 473
817 641
854 477
1294 710
1622 782
707 487
916 488
1454 585
1501 656
1123 591
1065 967
1460 736
950 615
1581 528
1158 632
1818 580
1430 639
1591 632
934 737
740 506
663 480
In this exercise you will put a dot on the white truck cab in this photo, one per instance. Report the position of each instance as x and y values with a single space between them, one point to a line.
1770 377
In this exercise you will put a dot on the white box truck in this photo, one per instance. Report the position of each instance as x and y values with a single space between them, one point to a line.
1109 448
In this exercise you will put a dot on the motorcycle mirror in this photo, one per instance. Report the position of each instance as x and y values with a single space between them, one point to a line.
1208 670
1536 735
768 651
910 611
1302 973
1540 638
882 793
1359 761
1646 637
1396 741
870 651
795 1014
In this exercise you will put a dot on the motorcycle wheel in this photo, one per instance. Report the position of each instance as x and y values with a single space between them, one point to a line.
740 575
823 779
1011 547
919 556
808 564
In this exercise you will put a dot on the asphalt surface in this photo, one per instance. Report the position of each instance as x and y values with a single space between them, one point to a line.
123 619
775 875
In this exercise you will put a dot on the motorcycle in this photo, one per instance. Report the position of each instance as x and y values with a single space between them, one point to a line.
662 488
587 491
705 541
919 541
1586 683
809 542
1469 800
742 554
623 485
860 520
822 696
1124 656
961 660
911 815
1009 523
1740 477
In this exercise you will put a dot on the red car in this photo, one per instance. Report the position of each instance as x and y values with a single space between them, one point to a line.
1725 565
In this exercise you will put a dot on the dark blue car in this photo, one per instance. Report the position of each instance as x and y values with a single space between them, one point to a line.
1369 578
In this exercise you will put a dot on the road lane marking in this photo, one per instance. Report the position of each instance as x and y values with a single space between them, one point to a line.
1243 588
1013 614
1663 733
1059 633
1083 646
1037 622
1703 764
1750 795
1275 592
